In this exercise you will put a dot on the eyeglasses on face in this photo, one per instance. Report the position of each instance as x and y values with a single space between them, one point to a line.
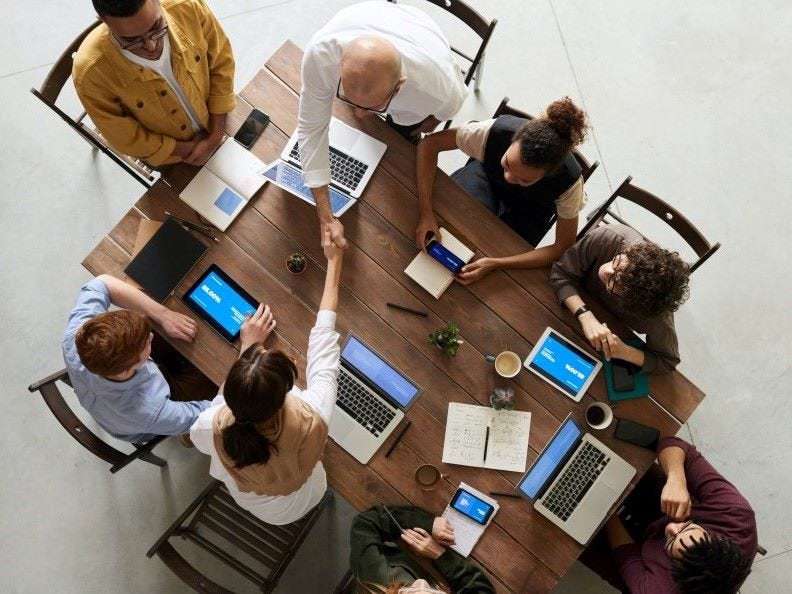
381 110
673 538
140 42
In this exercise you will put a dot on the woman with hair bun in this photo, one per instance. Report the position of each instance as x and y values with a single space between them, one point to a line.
522 170
265 436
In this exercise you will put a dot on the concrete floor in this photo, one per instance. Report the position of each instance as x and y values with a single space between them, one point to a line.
689 98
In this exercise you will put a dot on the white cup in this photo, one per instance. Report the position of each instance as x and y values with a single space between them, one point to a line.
507 364
599 410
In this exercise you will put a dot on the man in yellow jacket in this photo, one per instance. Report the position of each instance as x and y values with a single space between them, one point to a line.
157 79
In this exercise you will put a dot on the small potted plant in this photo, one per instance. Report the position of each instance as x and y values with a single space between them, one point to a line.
502 398
296 263
446 339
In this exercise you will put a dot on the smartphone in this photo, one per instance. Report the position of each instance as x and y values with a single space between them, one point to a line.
636 433
623 377
443 255
252 128
471 506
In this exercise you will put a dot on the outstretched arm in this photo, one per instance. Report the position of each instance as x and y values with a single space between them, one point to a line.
425 170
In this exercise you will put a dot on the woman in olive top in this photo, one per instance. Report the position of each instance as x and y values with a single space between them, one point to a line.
521 170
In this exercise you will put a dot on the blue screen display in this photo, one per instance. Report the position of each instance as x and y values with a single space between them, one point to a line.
564 440
379 373
444 256
565 366
221 302
227 201
473 507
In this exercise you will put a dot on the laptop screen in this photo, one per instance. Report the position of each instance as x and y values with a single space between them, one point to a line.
379 373
554 455
563 364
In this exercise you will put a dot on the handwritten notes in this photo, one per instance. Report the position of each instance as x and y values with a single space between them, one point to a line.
466 436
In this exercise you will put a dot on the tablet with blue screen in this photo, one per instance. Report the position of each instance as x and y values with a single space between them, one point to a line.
222 303
563 364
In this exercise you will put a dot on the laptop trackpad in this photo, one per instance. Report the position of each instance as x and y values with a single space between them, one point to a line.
599 499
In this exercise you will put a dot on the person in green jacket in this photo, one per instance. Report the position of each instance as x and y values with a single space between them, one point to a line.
380 565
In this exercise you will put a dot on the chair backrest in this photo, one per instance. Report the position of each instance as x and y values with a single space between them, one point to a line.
256 550
663 211
51 89
54 399
587 168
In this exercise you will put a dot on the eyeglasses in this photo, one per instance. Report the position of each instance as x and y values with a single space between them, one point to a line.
610 286
672 539
140 42
381 110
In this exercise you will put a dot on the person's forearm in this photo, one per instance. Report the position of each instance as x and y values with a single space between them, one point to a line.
217 125
672 461
537 258
632 355
332 280
128 297
321 195
425 170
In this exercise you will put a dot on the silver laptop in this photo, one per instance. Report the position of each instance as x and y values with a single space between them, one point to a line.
372 398
575 481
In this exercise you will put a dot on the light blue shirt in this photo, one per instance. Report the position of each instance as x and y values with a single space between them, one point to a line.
134 410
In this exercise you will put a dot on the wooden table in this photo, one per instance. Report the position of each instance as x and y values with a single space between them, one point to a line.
521 551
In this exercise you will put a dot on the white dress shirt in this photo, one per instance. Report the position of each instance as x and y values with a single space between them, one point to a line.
434 84
320 393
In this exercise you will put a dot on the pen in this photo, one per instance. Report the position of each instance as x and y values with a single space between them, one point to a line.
387 511
486 443
205 230
504 494
417 312
398 438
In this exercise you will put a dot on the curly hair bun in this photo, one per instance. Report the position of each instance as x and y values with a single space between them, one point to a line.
568 120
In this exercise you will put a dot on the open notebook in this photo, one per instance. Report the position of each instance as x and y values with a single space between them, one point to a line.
429 273
224 185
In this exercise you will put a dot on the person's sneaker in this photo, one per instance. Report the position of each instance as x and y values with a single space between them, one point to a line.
185 440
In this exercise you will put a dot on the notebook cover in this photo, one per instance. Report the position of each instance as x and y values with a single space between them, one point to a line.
640 379
165 260
146 230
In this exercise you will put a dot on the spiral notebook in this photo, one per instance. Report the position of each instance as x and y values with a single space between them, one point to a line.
429 273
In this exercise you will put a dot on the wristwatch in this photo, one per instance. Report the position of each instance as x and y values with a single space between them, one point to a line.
581 310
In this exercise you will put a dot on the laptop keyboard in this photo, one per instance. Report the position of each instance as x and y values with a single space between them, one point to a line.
356 400
587 464
344 170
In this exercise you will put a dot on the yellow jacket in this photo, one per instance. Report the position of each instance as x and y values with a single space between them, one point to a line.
135 108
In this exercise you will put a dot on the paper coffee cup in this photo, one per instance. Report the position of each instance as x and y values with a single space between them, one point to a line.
507 364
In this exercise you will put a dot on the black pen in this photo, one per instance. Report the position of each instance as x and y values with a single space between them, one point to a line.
204 229
417 312
504 494
486 443
398 438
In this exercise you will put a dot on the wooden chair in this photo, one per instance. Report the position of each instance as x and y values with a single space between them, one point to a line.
233 535
89 440
51 89
662 210
586 167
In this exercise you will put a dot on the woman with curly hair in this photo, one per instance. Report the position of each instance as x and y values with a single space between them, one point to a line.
522 170
641 283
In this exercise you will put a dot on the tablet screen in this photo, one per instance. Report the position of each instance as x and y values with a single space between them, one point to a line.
220 302
562 364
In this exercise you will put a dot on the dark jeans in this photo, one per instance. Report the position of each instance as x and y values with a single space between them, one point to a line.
185 380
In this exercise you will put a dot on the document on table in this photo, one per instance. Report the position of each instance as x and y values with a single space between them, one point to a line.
466 531
466 435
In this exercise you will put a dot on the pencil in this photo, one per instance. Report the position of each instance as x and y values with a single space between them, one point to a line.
398 438
503 494
203 229
417 312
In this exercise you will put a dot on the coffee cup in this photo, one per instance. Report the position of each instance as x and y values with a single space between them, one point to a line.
427 475
599 415
507 364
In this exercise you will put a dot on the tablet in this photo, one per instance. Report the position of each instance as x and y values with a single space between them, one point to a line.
562 364
222 303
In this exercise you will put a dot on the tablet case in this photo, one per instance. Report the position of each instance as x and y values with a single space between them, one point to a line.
165 260
640 379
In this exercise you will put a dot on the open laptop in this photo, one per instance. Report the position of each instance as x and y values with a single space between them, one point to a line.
354 155
372 398
575 481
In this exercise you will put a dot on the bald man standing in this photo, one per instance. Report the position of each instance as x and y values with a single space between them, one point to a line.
378 57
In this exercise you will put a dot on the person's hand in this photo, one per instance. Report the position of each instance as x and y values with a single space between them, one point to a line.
475 270
427 227
614 347
204 148
595 332
426 126
675 500
422 544
178 325
336 232
443 531
332 252
256 327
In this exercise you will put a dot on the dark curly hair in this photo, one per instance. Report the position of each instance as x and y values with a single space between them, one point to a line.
655 280
546 141
713 565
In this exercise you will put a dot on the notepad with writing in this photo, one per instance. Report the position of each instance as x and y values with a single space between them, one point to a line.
467 438
429 273
224 185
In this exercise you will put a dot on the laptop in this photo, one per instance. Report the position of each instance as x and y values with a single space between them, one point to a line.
575 481
354 155
372 398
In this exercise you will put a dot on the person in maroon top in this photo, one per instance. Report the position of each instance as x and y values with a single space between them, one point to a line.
702 538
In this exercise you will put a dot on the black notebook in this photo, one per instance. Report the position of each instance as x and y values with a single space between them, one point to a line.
165 260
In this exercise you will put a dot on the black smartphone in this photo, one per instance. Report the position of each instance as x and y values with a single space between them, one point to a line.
473 507
623 377
443 255
252 128
636 433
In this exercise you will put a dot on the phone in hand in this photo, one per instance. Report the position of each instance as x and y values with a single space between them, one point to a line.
636 433
443 255
252 128
623 376
474 508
